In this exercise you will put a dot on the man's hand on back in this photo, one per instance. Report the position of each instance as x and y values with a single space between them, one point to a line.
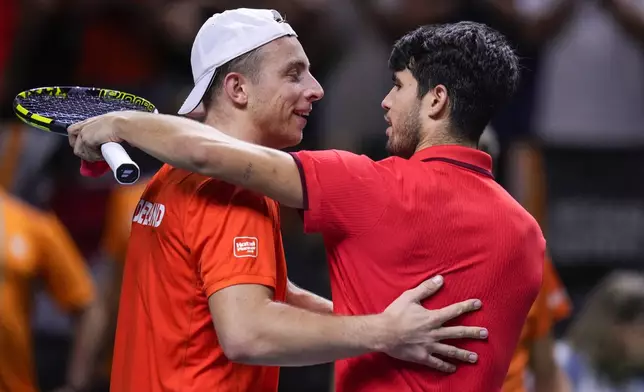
419 331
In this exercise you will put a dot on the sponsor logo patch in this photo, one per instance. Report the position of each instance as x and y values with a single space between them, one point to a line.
245 246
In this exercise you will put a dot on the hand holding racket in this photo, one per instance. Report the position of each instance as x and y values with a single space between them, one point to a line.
55 109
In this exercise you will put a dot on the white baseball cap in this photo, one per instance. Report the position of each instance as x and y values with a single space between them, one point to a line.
226 36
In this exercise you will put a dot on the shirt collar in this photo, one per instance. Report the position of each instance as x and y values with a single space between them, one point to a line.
467 155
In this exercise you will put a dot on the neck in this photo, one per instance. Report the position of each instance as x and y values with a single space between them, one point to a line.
237 127
432 139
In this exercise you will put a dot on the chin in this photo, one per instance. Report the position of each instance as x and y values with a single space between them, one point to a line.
297 139
398 150
392 147
290 140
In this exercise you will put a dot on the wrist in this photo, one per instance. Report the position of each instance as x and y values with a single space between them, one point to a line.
118 127
383 333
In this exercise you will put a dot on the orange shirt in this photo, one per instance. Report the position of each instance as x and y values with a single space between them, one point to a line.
552 305
33 245
192 236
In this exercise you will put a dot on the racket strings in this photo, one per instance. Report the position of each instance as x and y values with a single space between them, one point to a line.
72 109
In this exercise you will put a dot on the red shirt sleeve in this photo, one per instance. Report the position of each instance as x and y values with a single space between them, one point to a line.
232 235
344 194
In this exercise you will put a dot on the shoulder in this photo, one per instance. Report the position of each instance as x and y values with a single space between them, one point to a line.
330 155
202 193
17 204
215 194
19 212
338 161
394 162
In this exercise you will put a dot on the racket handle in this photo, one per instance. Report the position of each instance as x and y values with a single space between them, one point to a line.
126 172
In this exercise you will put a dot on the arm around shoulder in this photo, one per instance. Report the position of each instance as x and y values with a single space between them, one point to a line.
203 149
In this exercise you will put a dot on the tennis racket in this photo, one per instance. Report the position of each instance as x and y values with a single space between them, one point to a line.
54 109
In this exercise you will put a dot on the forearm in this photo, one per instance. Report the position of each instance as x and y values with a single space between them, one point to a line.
549 377
89 334
563 382
557 381
200 148
287 336
305 299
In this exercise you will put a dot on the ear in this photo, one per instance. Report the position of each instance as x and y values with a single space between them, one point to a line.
438 100
235 86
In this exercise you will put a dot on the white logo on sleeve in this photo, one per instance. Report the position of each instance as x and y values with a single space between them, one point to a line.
149 214
245 246
18 247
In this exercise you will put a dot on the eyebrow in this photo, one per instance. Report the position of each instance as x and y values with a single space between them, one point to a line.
395 79
300 65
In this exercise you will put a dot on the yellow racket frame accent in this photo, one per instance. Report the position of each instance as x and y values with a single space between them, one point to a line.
50 124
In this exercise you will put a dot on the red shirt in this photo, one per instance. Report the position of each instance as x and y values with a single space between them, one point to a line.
391 224
192 236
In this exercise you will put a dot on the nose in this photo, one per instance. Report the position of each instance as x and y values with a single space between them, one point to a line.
315 92
386 102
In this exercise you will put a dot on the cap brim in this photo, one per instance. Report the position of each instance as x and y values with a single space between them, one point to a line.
196 95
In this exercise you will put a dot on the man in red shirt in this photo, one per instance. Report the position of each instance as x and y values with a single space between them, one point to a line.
205 300
432 208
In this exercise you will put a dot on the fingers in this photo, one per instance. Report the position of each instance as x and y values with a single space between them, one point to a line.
440 365
459 333
72 140
86 152
425 289
432 362
77 134
452 311
448 351
73 131
75 128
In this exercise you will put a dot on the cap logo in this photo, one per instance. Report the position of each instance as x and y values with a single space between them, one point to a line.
278 18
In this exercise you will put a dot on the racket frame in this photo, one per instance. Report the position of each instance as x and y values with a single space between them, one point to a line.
125 170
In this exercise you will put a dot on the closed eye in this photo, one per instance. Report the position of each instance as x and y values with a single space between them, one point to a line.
396 82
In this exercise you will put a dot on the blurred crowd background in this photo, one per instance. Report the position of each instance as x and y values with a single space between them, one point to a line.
569 147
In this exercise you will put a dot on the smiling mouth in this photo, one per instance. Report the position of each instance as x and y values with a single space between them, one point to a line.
303 114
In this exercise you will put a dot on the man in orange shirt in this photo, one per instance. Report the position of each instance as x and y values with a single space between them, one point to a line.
205 252
536 346
35 245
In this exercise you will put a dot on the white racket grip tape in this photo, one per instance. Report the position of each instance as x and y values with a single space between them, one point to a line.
126 172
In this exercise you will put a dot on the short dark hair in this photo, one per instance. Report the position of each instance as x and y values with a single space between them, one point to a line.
248 64
474 62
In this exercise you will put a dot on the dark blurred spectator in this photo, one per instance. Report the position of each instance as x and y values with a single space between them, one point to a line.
116 234
41 51
26 167
8 26
591 89
604 349
589 120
